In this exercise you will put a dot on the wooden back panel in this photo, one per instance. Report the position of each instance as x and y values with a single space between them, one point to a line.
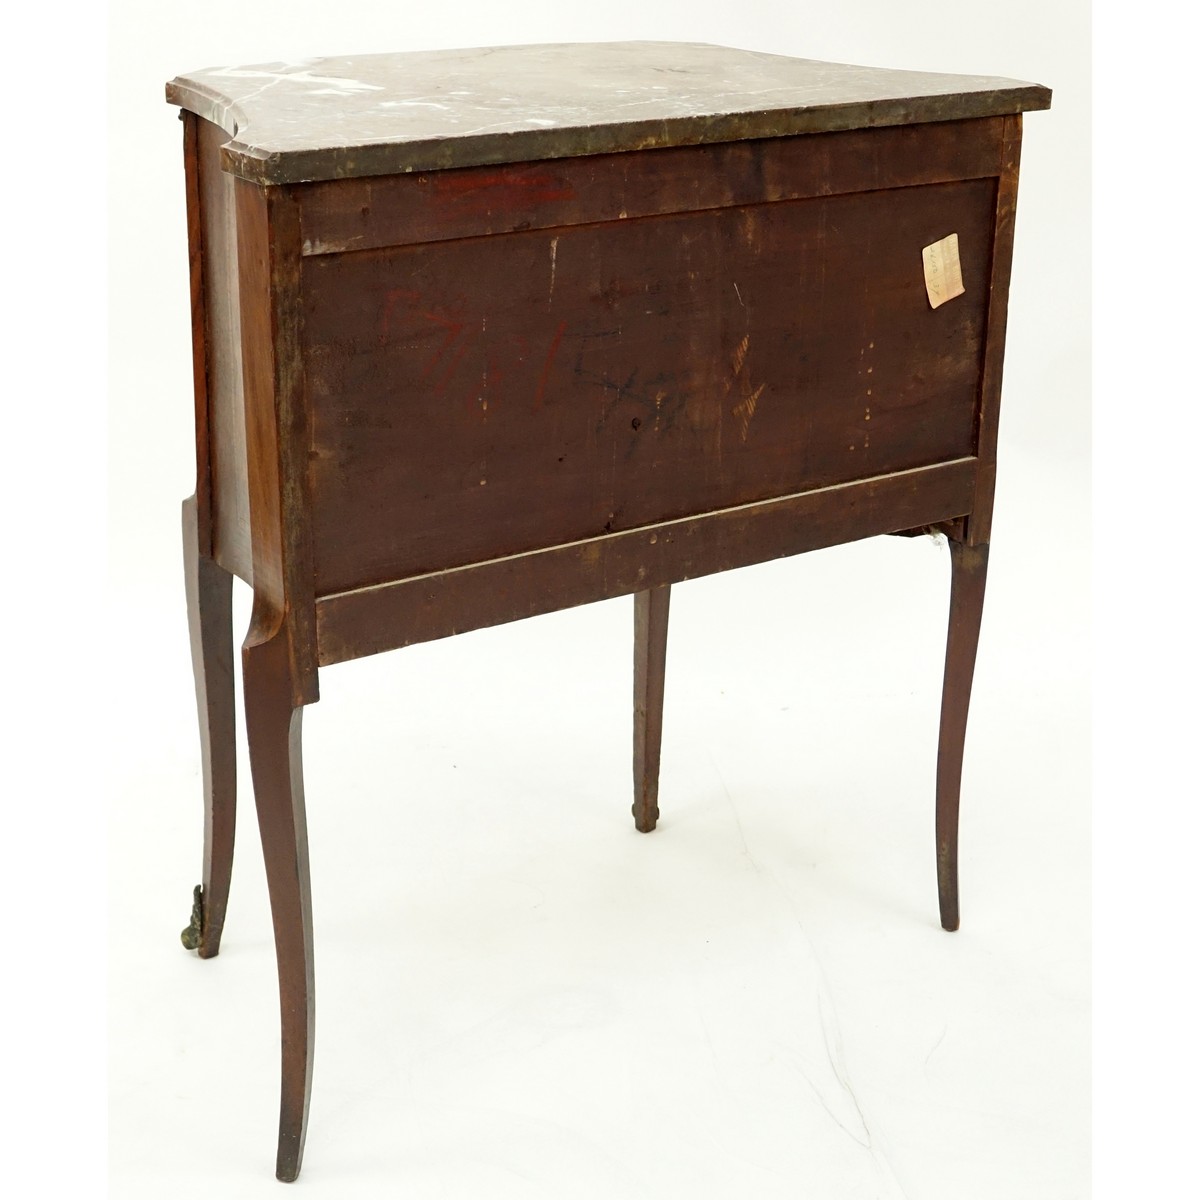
481 396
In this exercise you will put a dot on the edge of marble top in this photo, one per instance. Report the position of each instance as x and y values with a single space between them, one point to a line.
261 154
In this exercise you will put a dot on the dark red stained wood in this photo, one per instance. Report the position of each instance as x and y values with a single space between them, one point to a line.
226 421
967 582
979 525
651 610
479 398
385 617
398 210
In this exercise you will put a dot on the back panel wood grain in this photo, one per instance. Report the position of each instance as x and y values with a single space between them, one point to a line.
485 396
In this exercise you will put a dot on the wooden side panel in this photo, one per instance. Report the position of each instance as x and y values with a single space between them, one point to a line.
979 526
478 398
230 498
203 494
369 620
277 433
397 210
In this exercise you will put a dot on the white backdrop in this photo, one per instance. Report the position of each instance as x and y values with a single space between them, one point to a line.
517 994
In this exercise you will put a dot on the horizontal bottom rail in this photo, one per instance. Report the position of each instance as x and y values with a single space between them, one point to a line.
422 608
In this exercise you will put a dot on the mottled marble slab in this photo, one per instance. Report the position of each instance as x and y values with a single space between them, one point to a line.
382 114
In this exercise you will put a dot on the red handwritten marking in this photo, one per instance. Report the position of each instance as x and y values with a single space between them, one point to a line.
394 295
441 386
474 191
541 388
453 328
495 373
454 339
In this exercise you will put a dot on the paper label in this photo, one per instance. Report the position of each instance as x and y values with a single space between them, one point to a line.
943 271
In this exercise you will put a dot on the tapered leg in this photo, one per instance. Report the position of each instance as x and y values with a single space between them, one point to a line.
650 610
209 602
273 727
967 581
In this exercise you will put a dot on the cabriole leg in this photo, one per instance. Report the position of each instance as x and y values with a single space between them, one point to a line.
967 580
273 720
210 621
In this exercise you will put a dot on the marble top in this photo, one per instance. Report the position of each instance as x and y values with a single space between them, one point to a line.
382 114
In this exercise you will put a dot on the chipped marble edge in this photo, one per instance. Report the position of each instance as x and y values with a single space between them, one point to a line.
261 165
